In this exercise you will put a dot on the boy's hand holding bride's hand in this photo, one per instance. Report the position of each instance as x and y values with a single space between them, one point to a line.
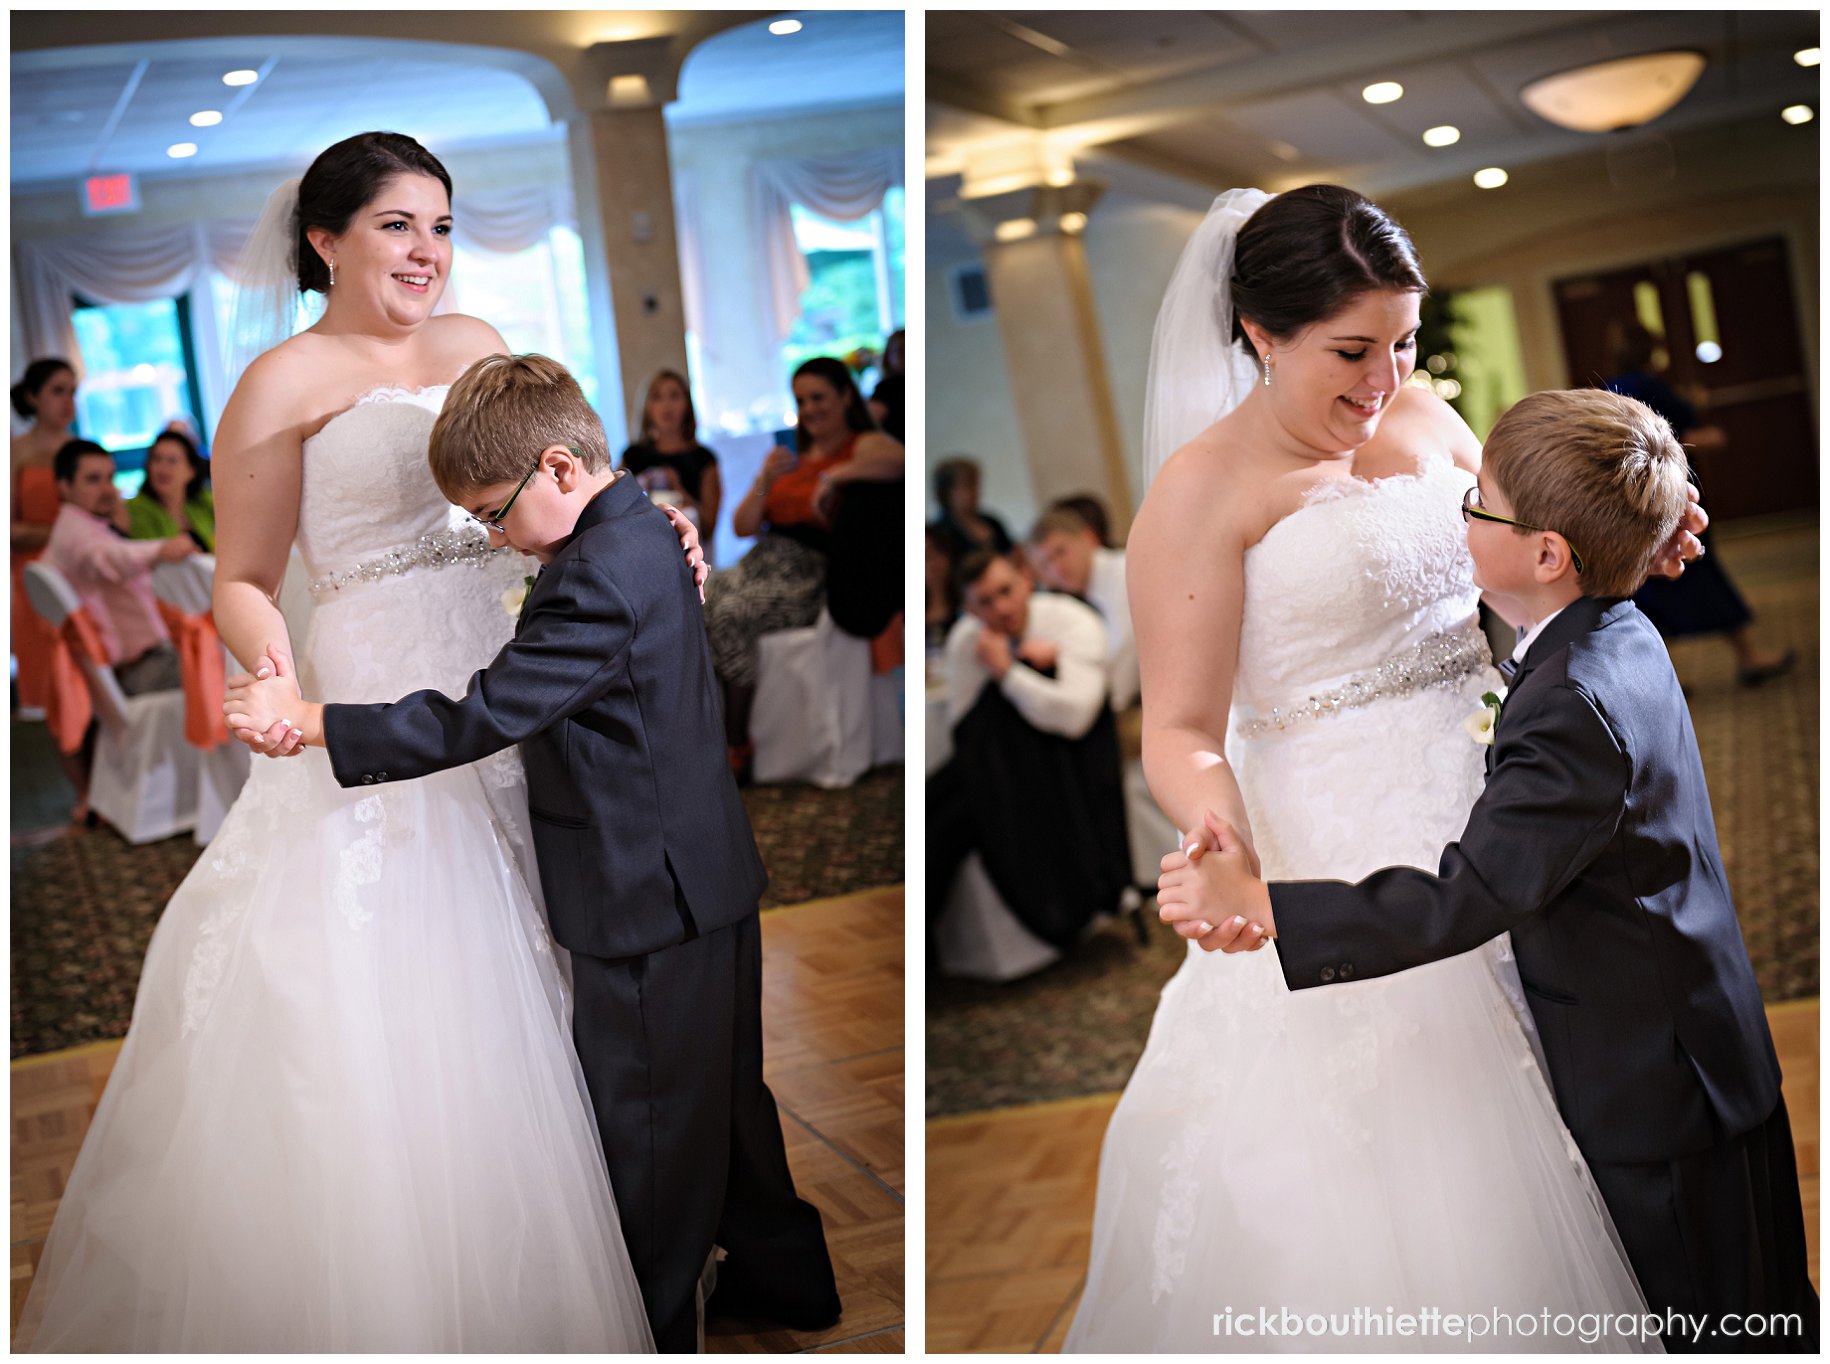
1684 545
256 707
1212 892
689 541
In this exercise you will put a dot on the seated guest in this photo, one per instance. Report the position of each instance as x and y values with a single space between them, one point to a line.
46 396
669 439
1091 510
942 598
112 576
176 497
801 503
956 488
1068 558
1033 786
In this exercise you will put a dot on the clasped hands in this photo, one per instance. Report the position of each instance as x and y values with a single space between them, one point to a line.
996 653
256 707
1210 892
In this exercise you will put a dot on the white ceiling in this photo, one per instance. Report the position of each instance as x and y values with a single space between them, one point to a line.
1272 97
79 111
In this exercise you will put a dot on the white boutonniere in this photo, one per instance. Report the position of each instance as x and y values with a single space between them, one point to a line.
1483 722
516 598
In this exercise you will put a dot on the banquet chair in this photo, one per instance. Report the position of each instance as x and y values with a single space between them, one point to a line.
144 781
188 585
820 714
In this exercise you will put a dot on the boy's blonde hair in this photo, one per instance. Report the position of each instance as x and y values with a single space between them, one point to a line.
1603 471
500 414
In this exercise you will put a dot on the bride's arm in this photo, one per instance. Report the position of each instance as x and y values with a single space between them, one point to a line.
1185 568
256 475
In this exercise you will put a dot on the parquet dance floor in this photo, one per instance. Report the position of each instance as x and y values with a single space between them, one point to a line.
1010 1204
832 1019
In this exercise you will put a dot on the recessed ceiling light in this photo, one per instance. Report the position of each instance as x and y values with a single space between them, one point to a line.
1015 230
1445 136
1491 178
1797 113
1382 92
179 150
1073 222
783 27
206 118
241 77
1808 57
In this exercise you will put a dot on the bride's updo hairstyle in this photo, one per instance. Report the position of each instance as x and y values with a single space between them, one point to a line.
343 179
1311 252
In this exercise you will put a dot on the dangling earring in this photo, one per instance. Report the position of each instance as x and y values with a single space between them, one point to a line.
333 284
1267 369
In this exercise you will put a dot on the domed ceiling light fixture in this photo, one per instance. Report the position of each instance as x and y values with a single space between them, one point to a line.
1608 96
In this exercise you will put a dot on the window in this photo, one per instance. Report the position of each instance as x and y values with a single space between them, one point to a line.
536 298
855 297
139 372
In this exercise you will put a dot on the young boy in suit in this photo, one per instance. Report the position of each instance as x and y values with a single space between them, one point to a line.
1594 845
650 873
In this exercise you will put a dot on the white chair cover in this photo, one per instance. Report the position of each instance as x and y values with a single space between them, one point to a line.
145 778
189 585
811 719
978 938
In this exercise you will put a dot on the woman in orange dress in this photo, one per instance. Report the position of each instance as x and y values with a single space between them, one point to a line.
47 396
781 583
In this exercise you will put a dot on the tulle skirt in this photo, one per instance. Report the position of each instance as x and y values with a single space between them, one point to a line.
1385 1146
347 1115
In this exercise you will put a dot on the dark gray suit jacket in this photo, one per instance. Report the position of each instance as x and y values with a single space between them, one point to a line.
1594 844
608 688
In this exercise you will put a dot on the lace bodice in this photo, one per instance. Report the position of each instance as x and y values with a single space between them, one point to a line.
1360 573
367 492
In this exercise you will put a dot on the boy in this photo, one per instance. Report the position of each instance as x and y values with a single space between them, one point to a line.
1594 844
650 874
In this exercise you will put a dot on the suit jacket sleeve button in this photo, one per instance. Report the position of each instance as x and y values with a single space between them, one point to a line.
1346 970
381 776
1327 975
368 779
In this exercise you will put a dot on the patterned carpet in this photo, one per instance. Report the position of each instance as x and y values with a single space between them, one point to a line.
1079 1026
85 903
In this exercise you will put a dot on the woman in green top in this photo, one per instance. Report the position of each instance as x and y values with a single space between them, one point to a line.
175 499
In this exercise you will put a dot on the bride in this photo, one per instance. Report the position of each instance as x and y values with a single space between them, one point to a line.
1390 1145
347 1115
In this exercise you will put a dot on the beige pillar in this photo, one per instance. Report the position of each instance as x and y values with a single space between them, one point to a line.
1042 293
624 185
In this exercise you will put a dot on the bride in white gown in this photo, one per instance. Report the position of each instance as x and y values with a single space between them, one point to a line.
1304 604
348 1115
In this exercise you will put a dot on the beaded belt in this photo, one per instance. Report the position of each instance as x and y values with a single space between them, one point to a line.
437 550
1439 661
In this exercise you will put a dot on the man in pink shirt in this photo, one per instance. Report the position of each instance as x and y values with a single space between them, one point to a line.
111 574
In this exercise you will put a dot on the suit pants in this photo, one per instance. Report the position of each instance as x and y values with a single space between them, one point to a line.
671 1046
1720 1232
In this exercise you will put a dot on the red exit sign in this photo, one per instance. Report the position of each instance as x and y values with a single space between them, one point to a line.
110 194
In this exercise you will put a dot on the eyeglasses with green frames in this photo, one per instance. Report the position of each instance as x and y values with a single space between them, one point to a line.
1471 511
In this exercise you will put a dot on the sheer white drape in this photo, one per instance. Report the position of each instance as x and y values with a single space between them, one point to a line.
845 188
129 264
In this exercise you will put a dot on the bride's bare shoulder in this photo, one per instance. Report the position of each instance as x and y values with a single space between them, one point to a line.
462 340
1421 422
1212 484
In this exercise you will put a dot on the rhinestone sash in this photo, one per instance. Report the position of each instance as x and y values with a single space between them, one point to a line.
438 550
1441 660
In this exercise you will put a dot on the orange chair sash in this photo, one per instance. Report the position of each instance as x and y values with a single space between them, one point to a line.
200 665
68 705
887 648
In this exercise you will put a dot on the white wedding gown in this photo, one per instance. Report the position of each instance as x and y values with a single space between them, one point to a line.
1385 1144
348 1115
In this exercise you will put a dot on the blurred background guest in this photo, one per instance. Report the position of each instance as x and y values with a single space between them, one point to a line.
887 398
781 584
1091 510
46 397
1704 600
176 497
1033 785
669 440
942 599
112 577
1069 557
956 489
